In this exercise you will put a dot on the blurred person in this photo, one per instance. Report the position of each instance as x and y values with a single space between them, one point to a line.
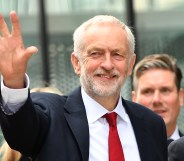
49 89
175 150
49 127
157 85
8 154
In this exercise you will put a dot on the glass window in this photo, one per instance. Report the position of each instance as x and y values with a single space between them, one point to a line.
158 5
82 6
29 19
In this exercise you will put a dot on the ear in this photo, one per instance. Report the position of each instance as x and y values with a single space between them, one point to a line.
133 96
131 65
75 63
181 96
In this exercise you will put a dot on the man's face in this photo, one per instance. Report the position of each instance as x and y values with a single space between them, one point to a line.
104 64
156 89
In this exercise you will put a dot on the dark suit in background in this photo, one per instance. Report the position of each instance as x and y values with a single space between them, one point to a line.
176 150
170 140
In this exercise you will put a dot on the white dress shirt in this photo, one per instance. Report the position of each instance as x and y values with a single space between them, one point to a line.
13 99
99 131
175 134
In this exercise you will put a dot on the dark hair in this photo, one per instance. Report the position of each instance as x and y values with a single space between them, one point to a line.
157 61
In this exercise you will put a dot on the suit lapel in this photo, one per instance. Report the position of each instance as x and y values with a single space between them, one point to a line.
180 133
141 133
75 115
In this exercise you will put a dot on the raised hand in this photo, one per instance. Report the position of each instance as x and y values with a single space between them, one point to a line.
13 55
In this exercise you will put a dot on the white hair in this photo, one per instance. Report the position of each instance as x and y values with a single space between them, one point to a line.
78 35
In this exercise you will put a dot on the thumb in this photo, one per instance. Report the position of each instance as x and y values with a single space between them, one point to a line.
30 51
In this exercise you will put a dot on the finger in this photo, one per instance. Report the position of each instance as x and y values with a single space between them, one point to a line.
30 51
16 29
3 27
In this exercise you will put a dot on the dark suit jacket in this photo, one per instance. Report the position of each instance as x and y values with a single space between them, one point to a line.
180 133
176 150
55 128
169 140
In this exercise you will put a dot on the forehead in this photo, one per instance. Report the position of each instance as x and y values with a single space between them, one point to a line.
104 28
156 77
106 34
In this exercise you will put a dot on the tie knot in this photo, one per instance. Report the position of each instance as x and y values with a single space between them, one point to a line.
111 118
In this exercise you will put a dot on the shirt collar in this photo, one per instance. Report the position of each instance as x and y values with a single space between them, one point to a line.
175 135
95 111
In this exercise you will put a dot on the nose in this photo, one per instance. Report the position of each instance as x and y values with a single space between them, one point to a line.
107 62
156 98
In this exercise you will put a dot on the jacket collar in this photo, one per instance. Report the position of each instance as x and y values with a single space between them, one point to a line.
75 114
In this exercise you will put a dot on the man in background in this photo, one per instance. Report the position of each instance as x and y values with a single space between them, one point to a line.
157 85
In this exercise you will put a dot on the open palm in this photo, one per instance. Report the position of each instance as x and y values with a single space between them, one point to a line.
13 56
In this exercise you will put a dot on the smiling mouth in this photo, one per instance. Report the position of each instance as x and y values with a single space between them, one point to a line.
160 112
106 76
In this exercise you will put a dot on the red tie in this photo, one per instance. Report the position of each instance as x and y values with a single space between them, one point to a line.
115 148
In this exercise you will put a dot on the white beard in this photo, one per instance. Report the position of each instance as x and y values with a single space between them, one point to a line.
100 88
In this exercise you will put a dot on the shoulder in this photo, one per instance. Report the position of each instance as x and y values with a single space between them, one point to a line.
179 142
148 117
138 109
47 101
175 150
46 97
